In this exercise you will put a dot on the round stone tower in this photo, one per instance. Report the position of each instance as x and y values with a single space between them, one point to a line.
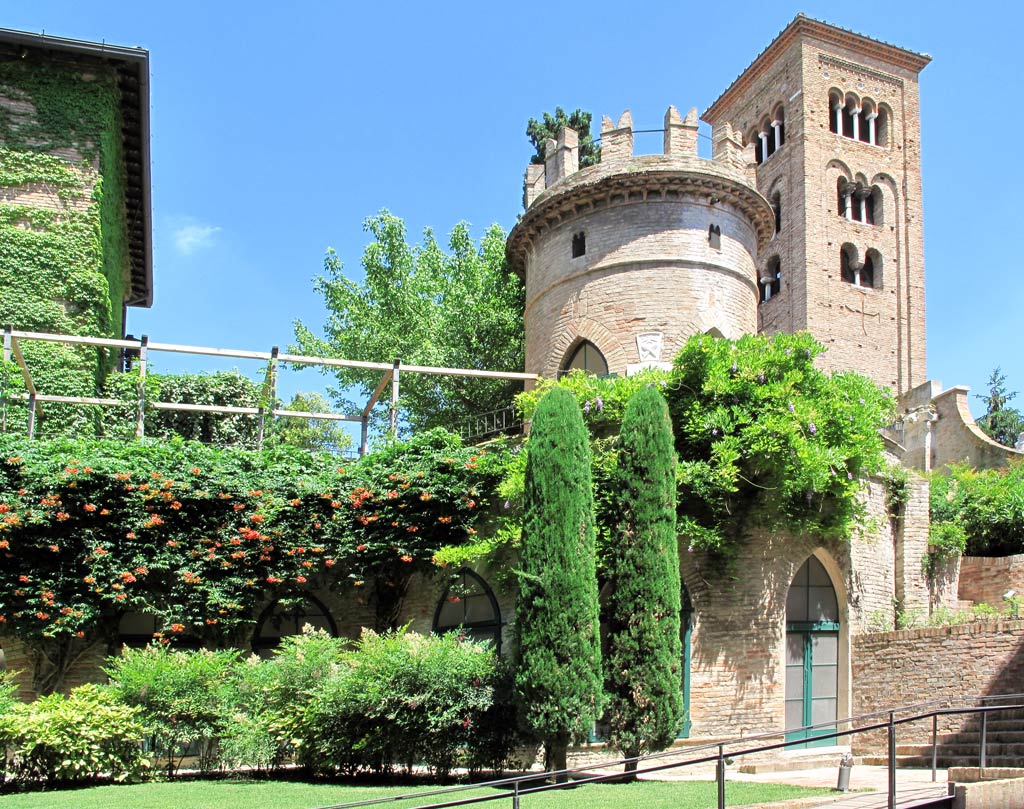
623 261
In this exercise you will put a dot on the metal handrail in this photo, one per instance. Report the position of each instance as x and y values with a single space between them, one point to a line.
720 754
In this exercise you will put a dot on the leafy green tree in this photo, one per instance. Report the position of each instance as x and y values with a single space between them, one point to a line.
551 125
643 664
1001 422
454 309
558 679
313 435
980 512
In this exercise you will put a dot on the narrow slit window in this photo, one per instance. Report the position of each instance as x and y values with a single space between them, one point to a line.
579 244
715 237
770 284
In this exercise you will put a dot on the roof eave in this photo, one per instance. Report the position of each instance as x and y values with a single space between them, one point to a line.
804 25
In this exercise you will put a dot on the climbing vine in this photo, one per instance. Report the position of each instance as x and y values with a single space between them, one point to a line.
200 538
64 266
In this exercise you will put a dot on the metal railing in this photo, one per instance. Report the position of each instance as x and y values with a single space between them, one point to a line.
493 422
720 753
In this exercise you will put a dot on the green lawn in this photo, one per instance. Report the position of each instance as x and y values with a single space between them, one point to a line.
292 795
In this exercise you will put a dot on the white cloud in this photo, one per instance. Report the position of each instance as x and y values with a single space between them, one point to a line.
190 238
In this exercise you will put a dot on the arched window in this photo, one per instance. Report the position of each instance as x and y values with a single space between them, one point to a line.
861 120
714 237
137 630
469 605
588 358
755 138
863 274
812 652
777 210
867 272
778 128
856 201
284 618
771 282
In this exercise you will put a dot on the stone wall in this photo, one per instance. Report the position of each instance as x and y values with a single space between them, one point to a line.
938 663
985 580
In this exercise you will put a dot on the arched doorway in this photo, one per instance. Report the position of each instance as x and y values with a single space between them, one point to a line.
812 654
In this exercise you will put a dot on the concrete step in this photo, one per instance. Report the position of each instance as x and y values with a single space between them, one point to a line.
785 765
944 761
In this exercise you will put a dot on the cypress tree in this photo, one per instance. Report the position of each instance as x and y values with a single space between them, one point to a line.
643 667
558 677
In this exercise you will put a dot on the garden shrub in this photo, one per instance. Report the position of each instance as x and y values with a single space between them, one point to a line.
71 739
182 697
266 695
401 699
978 512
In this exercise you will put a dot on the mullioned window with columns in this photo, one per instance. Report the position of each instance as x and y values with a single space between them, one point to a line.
770 135
860 119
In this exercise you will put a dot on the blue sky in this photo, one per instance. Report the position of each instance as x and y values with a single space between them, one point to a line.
278 128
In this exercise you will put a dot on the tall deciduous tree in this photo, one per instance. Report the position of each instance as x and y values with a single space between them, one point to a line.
643 668
551 125
458 308
558 679
1001 422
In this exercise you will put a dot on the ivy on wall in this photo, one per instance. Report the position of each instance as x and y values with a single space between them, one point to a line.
64 263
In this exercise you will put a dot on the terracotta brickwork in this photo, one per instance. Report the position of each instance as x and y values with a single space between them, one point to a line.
649 262
985 580
878 331
949 662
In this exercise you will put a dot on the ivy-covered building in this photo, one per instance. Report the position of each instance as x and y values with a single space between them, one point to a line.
75 222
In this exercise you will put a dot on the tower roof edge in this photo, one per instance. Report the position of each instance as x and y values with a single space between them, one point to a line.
802 25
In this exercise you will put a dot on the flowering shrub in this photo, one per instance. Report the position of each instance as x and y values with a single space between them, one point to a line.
199 537
180 696
74 738
266 695
399 699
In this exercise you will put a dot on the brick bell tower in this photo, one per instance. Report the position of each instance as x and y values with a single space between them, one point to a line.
834 120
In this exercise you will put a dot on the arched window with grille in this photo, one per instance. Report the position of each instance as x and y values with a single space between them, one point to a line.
468 605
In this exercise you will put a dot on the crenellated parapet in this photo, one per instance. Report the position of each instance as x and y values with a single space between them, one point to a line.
561 154
636 253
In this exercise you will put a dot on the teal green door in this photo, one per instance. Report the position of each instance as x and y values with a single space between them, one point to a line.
812 655
686 629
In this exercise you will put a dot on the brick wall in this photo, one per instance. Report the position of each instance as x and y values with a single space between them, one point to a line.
880 331
984 580
913 665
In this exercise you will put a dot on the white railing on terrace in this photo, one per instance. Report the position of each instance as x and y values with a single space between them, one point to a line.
140 349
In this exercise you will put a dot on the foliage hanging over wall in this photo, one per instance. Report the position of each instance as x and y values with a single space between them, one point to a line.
200 537
764 437
981 513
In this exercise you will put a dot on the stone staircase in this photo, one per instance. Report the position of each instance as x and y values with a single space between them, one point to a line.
1004 745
